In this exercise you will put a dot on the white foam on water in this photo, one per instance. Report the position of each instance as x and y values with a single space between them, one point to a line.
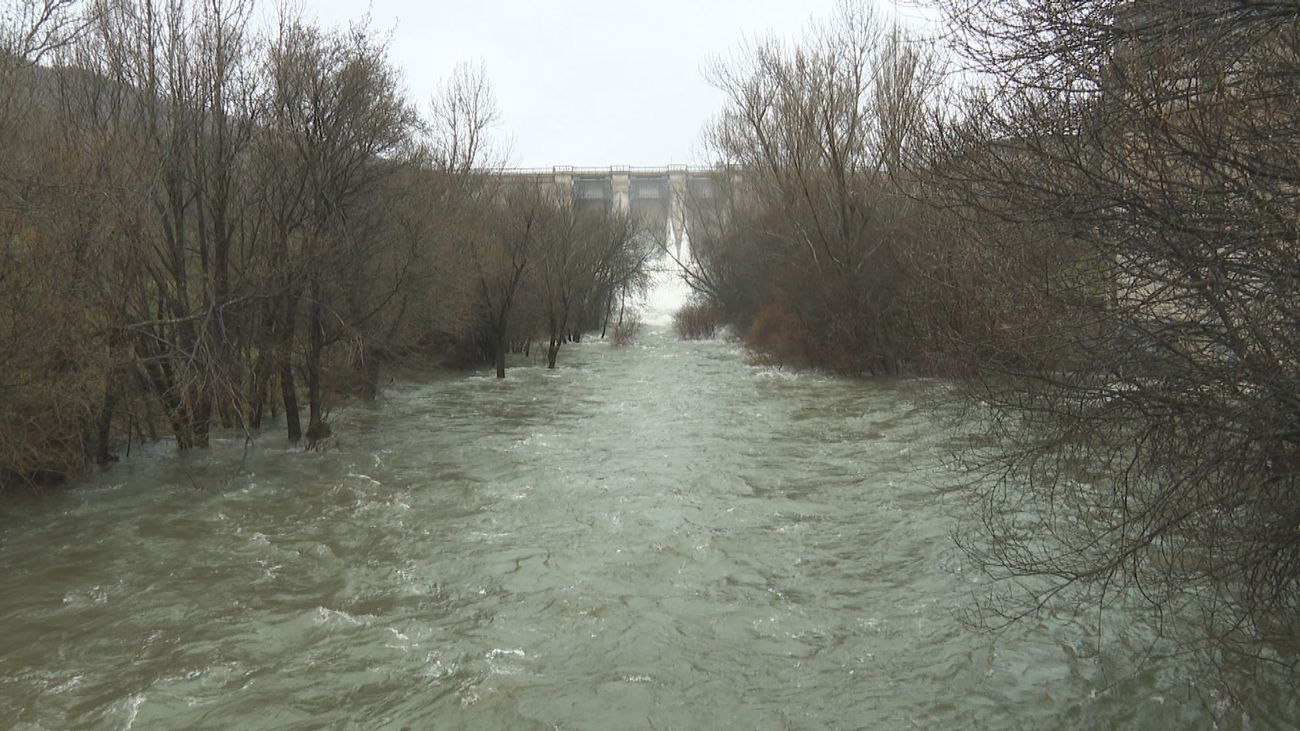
133 704
326 616
499 652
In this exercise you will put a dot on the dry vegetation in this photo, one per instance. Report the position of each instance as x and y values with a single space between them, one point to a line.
696 321
207 224
811 242
1142 159
1097 233
627 328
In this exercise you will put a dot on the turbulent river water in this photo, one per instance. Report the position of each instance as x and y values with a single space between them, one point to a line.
659 536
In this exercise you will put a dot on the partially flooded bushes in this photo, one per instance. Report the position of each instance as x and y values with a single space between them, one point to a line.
809 241
697 321
627 327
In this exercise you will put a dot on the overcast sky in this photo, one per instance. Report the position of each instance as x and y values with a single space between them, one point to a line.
582 82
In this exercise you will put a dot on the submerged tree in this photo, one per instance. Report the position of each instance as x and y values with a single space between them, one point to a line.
339 118
586 260
1135 164
502 249
193 213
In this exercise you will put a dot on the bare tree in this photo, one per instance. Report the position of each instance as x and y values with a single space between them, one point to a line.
1139 162
209 212
814 135
338 115
585 260
502 250
30 30
462 113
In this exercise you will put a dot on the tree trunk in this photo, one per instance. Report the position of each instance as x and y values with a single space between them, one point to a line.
315 344
200 419
609 312
553 346
104 425
257 397
370 372
499 353
290 395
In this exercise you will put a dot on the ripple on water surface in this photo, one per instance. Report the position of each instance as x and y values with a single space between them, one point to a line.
659 536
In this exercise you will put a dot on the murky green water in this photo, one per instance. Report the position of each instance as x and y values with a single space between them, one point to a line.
660 536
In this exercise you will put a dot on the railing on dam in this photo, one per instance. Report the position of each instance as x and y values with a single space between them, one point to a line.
655 195
579 171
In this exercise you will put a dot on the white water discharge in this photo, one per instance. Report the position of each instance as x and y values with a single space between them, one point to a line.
668 291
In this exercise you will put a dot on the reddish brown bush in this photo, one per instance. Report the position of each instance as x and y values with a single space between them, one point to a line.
696 321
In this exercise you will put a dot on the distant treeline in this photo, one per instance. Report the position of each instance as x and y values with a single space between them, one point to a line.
204 223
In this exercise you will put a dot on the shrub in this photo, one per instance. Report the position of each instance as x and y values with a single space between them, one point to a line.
696 321
628 326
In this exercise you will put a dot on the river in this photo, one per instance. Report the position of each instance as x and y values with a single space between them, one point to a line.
658 536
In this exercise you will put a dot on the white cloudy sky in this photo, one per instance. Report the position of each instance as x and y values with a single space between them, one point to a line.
582 82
